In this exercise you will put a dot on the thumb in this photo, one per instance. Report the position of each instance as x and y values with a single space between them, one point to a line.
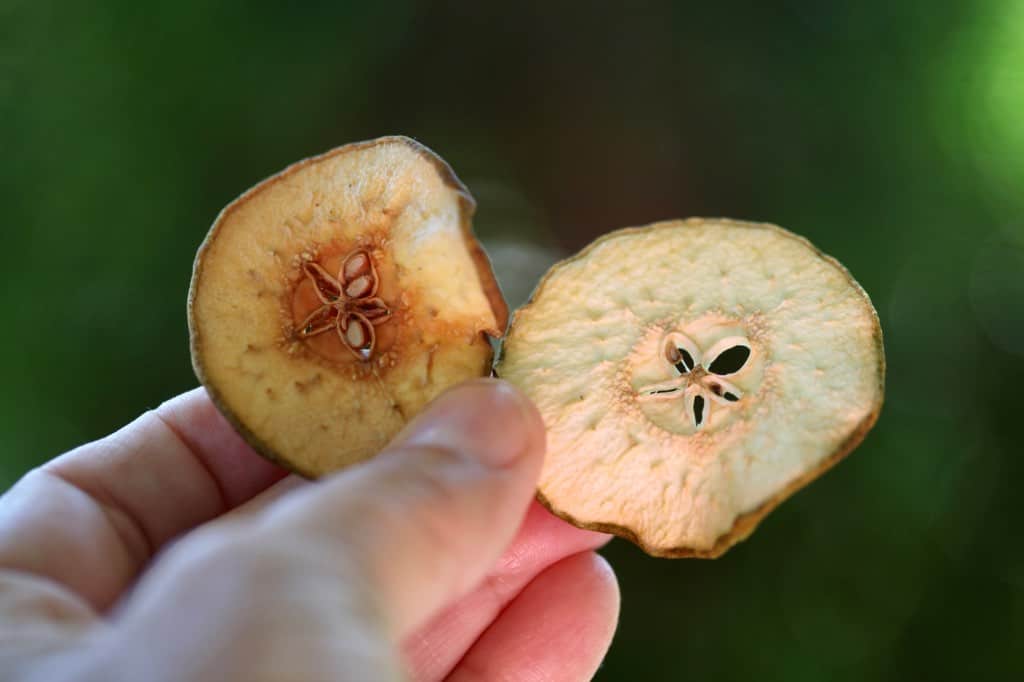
423 522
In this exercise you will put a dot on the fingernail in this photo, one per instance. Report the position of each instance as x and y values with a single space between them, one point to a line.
487 420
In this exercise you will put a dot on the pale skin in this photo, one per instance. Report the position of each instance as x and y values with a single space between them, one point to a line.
171 551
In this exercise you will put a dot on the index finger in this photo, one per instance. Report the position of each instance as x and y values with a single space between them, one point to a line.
92 518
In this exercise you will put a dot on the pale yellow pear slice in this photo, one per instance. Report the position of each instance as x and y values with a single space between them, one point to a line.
693 374
331 302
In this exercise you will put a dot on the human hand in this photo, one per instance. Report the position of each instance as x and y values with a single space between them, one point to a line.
171 551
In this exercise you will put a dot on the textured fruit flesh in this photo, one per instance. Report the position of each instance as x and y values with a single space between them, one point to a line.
328 393
692 375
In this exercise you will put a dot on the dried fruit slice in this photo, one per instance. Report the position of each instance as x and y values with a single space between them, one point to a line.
332 301
693 374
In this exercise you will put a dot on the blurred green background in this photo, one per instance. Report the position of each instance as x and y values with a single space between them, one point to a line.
889 133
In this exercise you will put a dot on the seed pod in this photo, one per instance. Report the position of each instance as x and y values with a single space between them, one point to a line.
692 375
331 302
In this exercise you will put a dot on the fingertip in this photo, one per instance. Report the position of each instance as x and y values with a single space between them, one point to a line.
590 582
559 627
531 420
195 397
606 582
511 399
238 470
487 419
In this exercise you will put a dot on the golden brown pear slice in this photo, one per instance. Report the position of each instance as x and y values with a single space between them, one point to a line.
332 301
693 374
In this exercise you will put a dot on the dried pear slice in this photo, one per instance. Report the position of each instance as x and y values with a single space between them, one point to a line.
693 374
332 301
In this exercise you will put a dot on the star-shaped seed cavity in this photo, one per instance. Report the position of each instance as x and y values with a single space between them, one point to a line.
700 376
349 303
